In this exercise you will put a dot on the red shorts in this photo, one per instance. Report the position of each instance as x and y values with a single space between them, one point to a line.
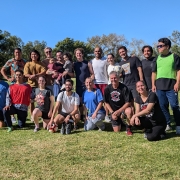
101 87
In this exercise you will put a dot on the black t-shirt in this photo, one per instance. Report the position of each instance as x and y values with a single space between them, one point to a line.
43 99
130 71
166 83
156 115
116 98
147 71
82 72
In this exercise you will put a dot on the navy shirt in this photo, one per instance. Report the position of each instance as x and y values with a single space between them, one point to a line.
82 72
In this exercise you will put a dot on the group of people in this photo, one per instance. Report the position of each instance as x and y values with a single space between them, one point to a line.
132 92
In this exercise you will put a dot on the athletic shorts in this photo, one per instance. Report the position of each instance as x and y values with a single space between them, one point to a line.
1 116
80 90
64 114
45 115
117 122
101 87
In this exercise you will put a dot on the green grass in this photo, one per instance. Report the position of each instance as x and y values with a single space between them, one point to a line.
87 155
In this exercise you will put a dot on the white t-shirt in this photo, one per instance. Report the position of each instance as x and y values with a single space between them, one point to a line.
100 70
117 68
68 102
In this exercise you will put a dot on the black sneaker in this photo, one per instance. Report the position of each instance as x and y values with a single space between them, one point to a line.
68 128
63 128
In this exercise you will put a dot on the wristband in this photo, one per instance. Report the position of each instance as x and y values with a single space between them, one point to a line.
112 112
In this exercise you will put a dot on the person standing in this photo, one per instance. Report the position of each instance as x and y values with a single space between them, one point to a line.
166 80
132 70
147 65
17 101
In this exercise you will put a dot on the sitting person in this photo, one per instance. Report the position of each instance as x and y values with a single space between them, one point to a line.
118 101
53 69
93 101
45 103
17 101
148 113
69 103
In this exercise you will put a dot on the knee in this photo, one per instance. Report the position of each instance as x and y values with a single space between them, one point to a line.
151 138
114 117
128 112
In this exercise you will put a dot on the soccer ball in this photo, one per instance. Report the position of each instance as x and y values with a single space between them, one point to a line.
53 128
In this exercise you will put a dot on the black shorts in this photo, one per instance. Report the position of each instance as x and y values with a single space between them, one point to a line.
64 114
1 116
33 95
45 115
80 90
117 122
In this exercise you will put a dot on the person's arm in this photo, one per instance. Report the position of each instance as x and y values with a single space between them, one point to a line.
153 76
177 68
97 109
140 73
176 86
58 103
85 111
91 70
4 69
51 106
8 100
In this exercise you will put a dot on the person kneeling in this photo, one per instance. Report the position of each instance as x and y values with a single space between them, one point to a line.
93 101
69 103
148 114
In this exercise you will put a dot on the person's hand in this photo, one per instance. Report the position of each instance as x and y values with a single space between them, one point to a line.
49 114
137 121
50 123
117 113
154 88
64 73
132 120
67 119
176 87
32 76
94 115
6 108
92 76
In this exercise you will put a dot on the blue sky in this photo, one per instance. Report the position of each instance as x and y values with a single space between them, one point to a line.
54 20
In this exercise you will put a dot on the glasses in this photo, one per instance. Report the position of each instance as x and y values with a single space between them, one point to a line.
160 46
18 75
48 52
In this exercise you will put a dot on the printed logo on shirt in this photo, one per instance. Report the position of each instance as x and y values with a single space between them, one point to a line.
144 106
40 99
126 68
115 96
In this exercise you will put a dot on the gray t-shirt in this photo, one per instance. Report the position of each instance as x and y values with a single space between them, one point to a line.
68 66
68 102
43 99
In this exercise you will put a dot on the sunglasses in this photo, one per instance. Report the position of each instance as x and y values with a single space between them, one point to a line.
48 52
160 46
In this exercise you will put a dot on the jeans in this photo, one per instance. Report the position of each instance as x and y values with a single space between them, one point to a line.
90 124
169 97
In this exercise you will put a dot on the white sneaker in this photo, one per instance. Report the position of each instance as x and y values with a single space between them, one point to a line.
178 130
107 119
168 128
13 119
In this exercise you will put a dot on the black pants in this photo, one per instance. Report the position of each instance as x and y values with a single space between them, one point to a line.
153 132
21 115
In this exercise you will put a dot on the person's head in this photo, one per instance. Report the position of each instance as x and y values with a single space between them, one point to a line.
114 78
141 87
147 51
41 81
164 45
67 56
79 52
98 52
48 52
110 58
89 83
35 55
19 75
17 53
122 50
68 85
59 55
52 60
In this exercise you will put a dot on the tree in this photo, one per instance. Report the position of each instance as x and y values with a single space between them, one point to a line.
28 47
175 38
69 45
108 43
7 45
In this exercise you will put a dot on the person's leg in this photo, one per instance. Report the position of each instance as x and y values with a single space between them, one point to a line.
76 119
98 121
116 123
1 119
173 100
35 117
22 116
45 123
128 114
164 104
88 124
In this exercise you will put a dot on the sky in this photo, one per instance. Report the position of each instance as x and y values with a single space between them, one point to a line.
55 20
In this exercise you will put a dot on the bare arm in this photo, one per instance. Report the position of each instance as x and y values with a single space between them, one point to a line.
176 86
145 111
153 78
55 110
3 72
91 70
140 73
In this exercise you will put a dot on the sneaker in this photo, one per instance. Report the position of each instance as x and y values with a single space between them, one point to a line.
13 119
68 128
107 119
168 127
178 130
129 132
10 129
63 128
145 136
36 129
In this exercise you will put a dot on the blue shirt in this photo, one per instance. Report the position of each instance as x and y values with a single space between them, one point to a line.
3 91
91 99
